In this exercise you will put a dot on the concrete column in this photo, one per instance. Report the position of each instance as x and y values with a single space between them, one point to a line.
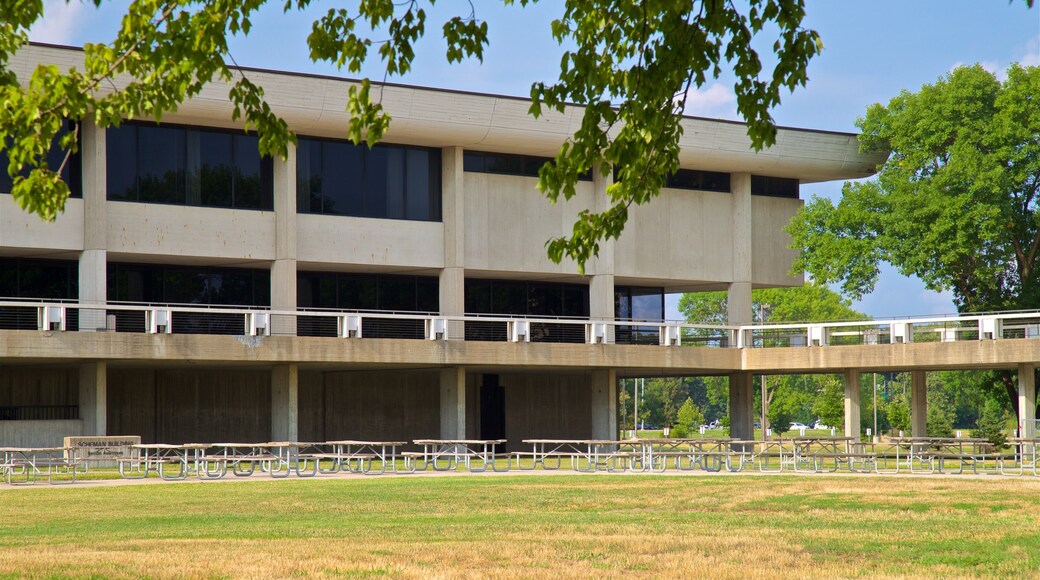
604 404
93 261
765 407
93 397
1027 401
919 404
852 403
739 294
283 271
285 402
601 267
453 403
741 406
453 217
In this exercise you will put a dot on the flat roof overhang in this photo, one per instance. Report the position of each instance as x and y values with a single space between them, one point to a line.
316 105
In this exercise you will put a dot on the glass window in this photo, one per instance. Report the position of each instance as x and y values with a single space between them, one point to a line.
71 173
386 181
358 292
39 279
160 164
774 186
368 292
188 166
397 293
160 284
508 164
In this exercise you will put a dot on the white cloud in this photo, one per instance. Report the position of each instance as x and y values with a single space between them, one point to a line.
716 101
61 20
1031 57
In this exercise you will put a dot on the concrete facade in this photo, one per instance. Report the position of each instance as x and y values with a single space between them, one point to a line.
180 387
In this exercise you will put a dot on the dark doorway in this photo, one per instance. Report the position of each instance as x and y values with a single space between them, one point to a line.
492 409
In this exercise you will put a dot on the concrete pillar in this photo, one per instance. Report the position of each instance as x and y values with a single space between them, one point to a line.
739 292
93 397
852 403
453 403
601 283
93 261
283 271
765 407
453 217
1027 401
604 404
741 406
285 402
918 404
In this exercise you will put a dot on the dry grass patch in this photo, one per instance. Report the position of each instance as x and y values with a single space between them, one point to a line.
528 526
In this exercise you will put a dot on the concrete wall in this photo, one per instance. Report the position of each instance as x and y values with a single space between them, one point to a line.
344 240
369 405
771 256
21 230
38 433
547 406
184 231
190 406
681 236
508 222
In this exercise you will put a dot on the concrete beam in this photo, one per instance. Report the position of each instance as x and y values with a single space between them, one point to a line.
453 403
852 404
741 407
1027 400
919 404
285 402
93 398
604 404
739 295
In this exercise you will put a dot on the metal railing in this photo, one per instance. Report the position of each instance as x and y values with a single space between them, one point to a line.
195 319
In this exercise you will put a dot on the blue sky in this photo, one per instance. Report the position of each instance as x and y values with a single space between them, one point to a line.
872 51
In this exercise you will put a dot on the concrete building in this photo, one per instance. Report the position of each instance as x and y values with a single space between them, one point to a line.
442 219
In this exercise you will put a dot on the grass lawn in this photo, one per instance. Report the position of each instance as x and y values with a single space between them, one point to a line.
531 526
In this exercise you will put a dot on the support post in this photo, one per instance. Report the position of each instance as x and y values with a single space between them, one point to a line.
285 381
453 403
601 286
453 216
738 301
919 404
1026 401
741 407
283 271
604 404
852 403
93 261
93 397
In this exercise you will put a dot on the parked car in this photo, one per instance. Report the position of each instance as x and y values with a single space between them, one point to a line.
796 426
819 425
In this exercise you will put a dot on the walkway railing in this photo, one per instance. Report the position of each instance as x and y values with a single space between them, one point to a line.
57 316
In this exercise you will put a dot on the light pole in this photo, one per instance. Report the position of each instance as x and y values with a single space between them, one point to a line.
763 311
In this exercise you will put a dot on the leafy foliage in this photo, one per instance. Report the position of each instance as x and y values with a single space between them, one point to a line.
955 203
780 419
991 424
630 65
689 417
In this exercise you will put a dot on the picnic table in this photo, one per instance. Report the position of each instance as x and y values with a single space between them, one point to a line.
158 457
277 458
24 465
1023 456
359 456
586 455
812 453
475 455
931 453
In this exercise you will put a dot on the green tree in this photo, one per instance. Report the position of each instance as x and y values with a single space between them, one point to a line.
780 419
955 204
689 418
629 65
991 424
939 421
898 411
829 405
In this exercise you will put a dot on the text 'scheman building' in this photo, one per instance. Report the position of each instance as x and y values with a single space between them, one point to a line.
194 291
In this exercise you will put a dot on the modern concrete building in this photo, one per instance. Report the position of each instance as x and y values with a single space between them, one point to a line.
214 295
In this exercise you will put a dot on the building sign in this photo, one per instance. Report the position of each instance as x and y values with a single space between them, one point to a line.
101 448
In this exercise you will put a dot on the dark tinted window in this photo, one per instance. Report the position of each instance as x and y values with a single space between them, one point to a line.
367 292
160 284
39 279
518 297
188 166
640 304
774 186
71 173
507 164
386 181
